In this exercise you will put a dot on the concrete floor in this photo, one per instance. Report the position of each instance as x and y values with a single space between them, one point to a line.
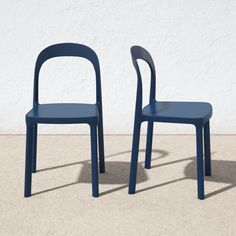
165 203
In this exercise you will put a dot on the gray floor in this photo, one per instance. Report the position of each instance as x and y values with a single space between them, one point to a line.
165 203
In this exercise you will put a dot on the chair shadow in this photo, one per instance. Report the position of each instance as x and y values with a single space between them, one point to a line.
162 153
117 173
223 171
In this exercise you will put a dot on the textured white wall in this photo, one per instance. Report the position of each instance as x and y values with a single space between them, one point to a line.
193 44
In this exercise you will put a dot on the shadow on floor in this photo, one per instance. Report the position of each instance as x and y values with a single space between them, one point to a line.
161 154
117 172
222 172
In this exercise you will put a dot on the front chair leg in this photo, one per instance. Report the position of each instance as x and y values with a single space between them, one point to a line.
34 148
28 161
200 175
149 145
207 148
93 129
101 147
134 158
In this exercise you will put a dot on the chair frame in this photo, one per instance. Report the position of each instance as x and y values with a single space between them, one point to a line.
64 50
138 52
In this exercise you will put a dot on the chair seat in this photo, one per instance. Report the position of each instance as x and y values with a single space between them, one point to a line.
178 112
63 113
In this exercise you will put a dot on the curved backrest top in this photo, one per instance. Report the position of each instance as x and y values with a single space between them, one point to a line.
138 52
67 49
141 53
62 50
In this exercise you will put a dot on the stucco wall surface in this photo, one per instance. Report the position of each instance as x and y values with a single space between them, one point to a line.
193 44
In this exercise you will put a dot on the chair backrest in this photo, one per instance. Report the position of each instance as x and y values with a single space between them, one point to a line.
62 50
138 52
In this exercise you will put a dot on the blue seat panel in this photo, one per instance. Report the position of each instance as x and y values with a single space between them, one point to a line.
63 113
178 112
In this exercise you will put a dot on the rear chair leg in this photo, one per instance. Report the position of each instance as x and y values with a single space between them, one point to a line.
207 148
34 148
101 147
148 157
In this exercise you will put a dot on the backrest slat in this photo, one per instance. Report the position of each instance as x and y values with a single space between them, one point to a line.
138 52
62 50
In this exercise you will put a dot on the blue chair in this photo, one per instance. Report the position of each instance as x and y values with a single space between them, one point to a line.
65 113
196 113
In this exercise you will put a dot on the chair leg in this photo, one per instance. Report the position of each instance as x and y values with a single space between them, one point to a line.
207 149
101 147
134 158
200 175
28 161
148 157
34 148
95 191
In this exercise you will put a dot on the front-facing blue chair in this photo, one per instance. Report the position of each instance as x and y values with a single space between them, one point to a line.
196 113
65 113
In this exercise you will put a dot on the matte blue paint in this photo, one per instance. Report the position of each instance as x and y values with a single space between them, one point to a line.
28 160
207 149
200 175
34 147
65 113
149 145
196 113
93 129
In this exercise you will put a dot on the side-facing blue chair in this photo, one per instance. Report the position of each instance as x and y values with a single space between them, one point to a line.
65 113
196 113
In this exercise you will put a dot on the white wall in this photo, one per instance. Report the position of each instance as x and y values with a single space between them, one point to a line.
193 44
